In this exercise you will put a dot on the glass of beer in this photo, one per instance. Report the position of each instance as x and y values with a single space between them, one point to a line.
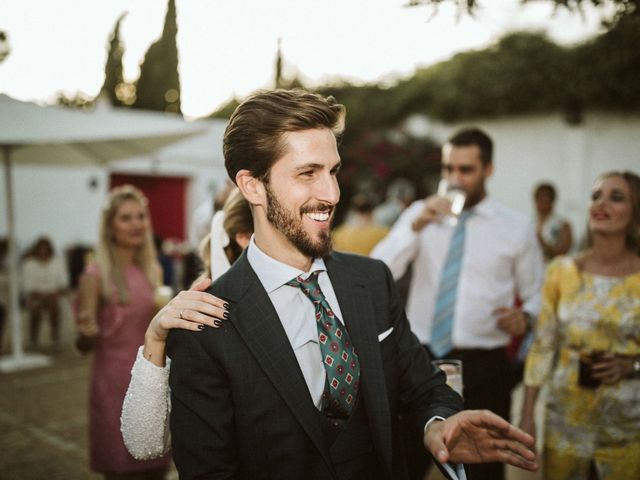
585 374
162 295
456 195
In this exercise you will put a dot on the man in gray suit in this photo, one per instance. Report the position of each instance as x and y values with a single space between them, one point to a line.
316 364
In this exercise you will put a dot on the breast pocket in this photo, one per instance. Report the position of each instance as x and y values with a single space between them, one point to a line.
387 344
384 335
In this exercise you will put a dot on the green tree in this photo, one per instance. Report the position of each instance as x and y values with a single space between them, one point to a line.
622 8
158 87
113 87
226 110
608 73
5 49
76 100
522 73
277 81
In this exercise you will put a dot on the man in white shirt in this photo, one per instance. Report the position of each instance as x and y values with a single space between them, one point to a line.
310 374
465 296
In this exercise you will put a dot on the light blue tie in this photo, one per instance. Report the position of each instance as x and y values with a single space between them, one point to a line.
441 341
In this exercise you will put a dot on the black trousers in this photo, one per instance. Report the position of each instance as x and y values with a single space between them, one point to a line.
486 375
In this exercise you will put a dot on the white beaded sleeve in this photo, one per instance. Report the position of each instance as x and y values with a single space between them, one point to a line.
144 421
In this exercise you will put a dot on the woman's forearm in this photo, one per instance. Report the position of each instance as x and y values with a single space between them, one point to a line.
529 401
154 349
145 411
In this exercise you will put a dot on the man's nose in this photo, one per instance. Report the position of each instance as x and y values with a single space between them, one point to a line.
328 190
453 177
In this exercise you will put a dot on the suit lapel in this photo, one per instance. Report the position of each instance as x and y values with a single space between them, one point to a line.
257 322
356 306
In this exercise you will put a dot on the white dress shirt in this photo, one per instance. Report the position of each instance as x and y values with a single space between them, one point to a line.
501 258
44 277
296 312
297 315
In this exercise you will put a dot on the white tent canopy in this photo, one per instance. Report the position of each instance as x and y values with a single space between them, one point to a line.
32 134
203 150
60 135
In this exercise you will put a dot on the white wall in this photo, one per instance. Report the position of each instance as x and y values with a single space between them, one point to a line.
531 149
58 201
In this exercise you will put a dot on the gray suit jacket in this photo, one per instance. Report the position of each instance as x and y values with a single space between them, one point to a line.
240 404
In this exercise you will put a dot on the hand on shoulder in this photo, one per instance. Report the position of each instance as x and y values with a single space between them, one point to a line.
189 310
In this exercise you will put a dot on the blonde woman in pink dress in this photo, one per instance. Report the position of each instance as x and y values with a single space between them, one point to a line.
145 412
114 306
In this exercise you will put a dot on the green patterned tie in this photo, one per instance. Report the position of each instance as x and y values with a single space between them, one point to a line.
340 359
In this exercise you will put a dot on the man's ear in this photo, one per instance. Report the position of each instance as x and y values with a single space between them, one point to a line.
488 170
251 187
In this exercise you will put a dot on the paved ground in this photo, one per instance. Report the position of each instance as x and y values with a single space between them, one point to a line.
43 419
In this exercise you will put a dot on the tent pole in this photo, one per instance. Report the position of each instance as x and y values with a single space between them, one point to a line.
12 258
18 359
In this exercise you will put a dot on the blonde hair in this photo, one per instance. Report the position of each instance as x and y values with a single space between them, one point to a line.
237 219
110 270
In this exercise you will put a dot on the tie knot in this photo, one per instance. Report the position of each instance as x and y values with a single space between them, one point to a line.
465 215
309 286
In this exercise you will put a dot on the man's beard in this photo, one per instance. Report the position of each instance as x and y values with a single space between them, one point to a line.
476 196
292 228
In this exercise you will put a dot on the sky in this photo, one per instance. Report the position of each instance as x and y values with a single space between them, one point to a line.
227 48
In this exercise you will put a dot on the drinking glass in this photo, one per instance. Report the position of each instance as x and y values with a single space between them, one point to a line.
453 369
456 195
585 374
162 295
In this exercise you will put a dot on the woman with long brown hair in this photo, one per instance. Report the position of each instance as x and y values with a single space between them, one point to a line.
587 345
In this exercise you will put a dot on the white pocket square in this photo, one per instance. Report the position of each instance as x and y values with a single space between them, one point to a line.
385 334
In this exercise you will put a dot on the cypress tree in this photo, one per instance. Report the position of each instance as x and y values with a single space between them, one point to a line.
113 69
278 83
5 49
158 87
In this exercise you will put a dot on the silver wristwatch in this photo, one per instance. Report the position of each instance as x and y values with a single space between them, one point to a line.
636 368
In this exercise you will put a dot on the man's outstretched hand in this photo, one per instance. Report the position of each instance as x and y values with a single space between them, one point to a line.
480 436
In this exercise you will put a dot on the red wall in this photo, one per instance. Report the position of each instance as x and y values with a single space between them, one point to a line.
167 201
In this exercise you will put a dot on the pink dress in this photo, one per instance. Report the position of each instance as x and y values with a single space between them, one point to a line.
122 328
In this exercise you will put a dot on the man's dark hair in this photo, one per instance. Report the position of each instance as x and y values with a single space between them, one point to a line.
474 136
253 139
545 188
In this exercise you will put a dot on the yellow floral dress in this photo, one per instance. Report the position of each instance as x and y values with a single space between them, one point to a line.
581 313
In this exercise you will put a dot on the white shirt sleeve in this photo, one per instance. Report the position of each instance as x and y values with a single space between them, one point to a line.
454 470
529 272
145 412
400 247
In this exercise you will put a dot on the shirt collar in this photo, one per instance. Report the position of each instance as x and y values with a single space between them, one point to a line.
486 207
272 273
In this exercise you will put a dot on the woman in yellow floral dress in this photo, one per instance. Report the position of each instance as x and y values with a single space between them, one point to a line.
591 306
